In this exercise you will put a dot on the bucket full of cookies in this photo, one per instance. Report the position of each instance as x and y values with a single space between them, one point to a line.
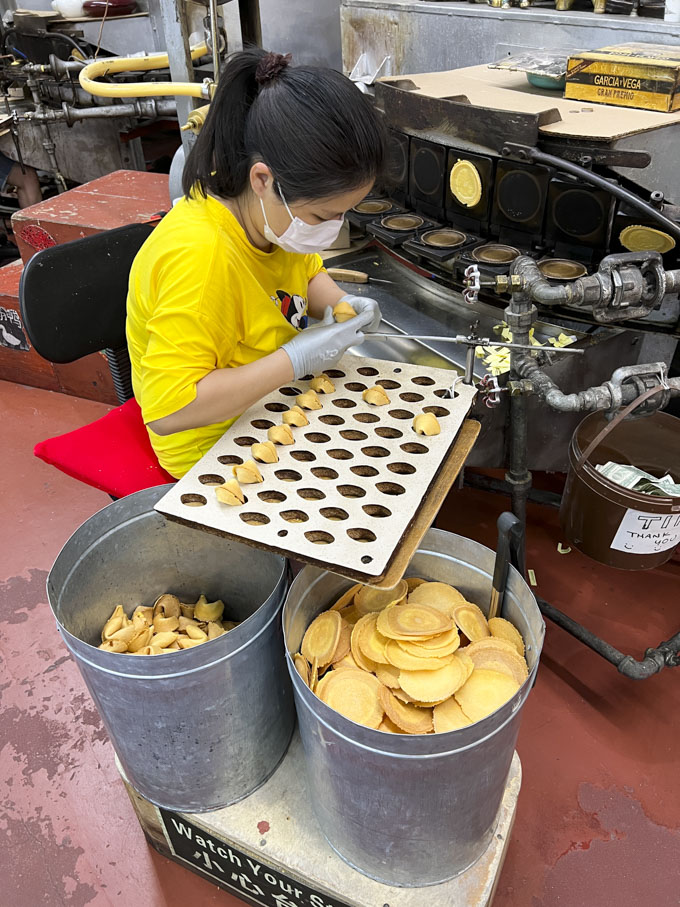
409 702
177 634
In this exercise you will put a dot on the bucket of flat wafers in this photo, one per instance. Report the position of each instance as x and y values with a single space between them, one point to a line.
409 702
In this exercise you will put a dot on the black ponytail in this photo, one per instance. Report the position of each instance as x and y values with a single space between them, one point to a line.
319 135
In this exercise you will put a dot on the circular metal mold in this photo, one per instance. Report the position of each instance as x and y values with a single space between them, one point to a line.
373 206
561 269
402 222
443 239
495 253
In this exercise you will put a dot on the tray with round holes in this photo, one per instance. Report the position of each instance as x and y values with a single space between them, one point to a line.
345 493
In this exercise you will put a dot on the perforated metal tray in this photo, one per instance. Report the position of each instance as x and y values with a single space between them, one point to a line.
344 494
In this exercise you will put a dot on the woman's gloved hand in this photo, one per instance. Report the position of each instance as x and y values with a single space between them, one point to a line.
362 304
322 345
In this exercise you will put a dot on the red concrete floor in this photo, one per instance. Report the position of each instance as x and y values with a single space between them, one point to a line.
598 821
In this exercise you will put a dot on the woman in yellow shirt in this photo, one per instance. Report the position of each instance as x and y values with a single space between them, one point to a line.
221 293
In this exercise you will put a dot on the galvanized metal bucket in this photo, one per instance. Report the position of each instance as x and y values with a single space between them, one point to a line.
199 729
411 810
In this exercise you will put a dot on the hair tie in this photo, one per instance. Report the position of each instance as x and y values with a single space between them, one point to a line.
270 67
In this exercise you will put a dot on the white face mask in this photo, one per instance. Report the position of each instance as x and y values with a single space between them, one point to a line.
300 236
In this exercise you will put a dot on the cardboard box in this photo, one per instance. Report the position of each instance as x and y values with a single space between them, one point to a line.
627 75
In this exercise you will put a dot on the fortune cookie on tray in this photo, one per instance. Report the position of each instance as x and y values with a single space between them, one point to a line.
265 452
247 473
230 493
426 424
343 311
322 384
281 434
295 416
376 396
308 400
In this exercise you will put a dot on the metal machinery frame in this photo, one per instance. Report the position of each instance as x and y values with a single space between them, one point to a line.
49 122
621 288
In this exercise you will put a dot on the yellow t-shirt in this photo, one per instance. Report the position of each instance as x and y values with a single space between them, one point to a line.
201 297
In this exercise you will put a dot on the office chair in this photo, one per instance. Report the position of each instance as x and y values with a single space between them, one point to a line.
72 299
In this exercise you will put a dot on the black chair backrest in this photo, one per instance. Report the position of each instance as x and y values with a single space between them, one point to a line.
73 296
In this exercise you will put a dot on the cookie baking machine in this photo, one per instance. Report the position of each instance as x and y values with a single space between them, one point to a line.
507 204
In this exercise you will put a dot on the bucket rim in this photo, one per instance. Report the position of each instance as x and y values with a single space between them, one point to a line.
80 648
512 706
153 676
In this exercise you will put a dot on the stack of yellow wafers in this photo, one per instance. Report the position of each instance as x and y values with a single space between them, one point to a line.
416 659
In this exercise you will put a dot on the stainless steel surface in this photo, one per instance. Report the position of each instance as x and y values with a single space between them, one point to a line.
308 30
411 810
426 36
202 728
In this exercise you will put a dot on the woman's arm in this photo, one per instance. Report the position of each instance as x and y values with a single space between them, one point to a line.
228 392
322 291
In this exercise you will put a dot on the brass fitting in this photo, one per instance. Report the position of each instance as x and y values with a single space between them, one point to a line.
509 283
517 388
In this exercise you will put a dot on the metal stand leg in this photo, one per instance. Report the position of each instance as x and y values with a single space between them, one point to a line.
518 476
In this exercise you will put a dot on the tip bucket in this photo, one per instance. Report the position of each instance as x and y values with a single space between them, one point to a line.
612 524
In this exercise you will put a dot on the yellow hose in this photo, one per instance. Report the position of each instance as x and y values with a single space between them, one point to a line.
105 67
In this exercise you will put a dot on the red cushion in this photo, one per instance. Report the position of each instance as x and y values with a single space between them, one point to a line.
113 454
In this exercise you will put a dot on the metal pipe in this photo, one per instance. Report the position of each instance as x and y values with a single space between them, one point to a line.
655 660
673 281
498 486
518 476
473 342
469 365
519 315
143 109
215 39
613 394
527 153
540 290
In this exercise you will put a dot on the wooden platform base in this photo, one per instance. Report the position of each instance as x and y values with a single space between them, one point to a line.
268 849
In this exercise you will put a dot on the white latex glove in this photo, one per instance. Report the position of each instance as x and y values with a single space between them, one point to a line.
362 304
322 345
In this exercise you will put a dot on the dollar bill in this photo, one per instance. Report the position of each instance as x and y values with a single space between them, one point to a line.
639 480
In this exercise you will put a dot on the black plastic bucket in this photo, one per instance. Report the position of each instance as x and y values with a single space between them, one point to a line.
610 523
